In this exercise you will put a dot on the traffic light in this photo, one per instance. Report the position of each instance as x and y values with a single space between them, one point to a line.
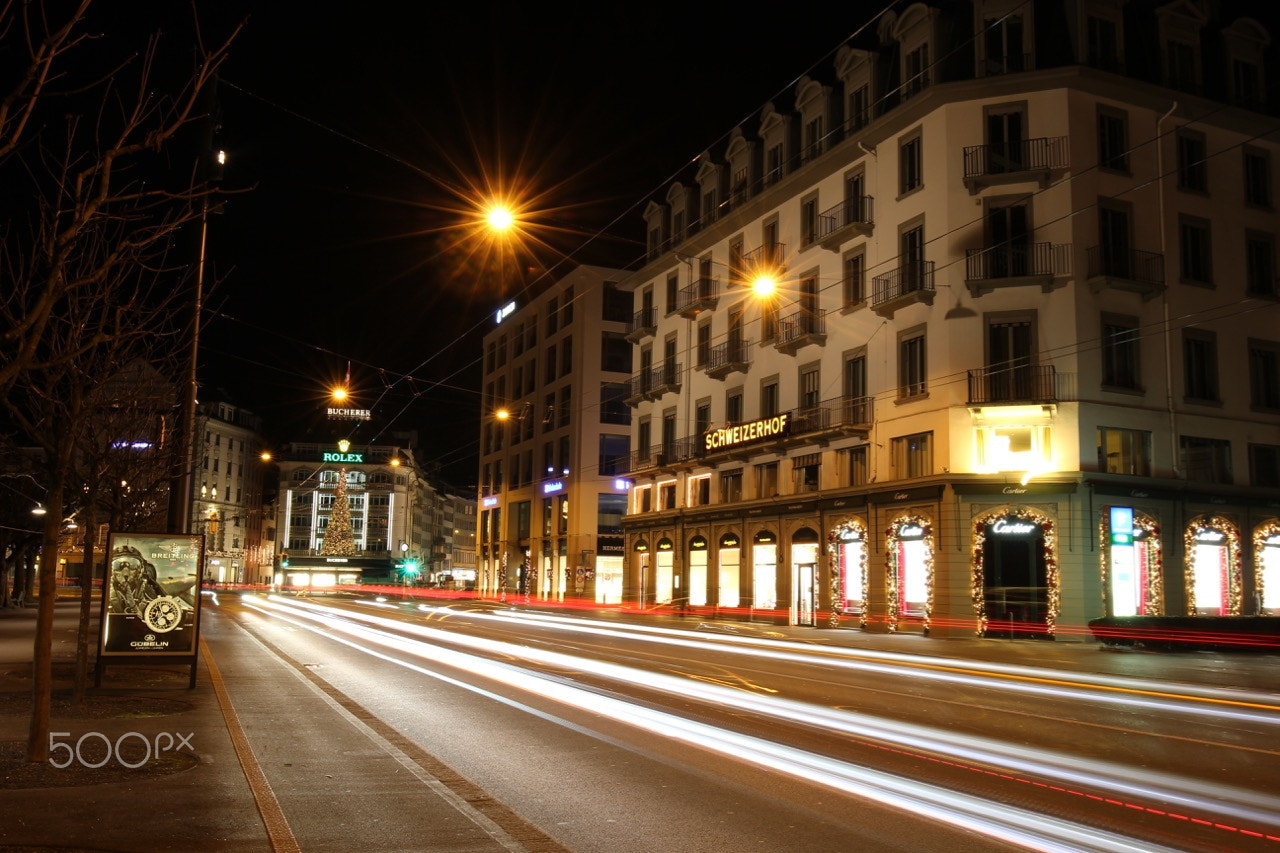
411 566
284 560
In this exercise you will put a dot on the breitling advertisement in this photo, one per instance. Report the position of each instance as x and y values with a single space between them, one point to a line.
152 596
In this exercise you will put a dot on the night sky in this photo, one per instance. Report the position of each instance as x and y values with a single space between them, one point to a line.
357 137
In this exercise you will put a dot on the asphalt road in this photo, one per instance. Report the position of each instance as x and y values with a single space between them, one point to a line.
592 735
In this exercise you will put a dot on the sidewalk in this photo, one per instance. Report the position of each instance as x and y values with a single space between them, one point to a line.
208 804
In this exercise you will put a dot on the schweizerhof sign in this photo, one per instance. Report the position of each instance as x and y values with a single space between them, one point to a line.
752 431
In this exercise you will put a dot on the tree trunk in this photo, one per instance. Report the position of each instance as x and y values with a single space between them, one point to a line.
90 526
42 656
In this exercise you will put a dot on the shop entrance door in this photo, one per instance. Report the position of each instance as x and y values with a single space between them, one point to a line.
1015 586
806 594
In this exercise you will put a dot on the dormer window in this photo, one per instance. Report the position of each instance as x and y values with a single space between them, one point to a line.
1004 51
913 32
1246 43
813 138
773 170
1245 85
860 107
916 74
1103 45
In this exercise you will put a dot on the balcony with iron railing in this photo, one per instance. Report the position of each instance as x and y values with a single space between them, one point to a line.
838 416
1014 162
764 258
664 455
1012 265
731 356
800 329
851 218
644 323
700 296
653 383
1019 384
901 287
1131 270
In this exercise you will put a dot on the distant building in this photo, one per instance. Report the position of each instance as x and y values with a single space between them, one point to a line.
227 503
387 497
1022 368
554 441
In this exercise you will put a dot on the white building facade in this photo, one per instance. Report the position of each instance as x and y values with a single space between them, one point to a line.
1027 291
555 442
227 501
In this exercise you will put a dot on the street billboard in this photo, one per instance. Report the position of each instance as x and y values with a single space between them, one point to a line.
151 600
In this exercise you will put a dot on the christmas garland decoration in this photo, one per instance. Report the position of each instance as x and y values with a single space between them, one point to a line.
1235 567
1155 559
1052 577
1265 532
834 538
891 566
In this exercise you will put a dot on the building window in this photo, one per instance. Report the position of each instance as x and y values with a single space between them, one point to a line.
775 165
1200 365
731 486
767 480
768 398
856 467
702 354
733 406
613 405
860 107
854 284
667 495
806 471
1257 178
1193 242
1120 366
1192 166
1180 63
912 365
913 456
917 71
673 291
808 221
566 357
813 138
1248 92
1124 451
1264 465
700 490
1003 43
616 304
644 499
910 164
614 450
702 417
552 314
1264 375
1113 140
1102 44
550 374
615 352
1260 264
1206 460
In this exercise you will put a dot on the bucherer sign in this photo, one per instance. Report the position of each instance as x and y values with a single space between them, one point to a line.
761 430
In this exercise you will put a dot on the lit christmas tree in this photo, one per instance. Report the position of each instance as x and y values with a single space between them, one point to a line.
337 536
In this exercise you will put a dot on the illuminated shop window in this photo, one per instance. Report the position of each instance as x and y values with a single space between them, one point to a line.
1007 447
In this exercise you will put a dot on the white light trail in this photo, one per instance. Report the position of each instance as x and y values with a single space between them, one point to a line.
1115 780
